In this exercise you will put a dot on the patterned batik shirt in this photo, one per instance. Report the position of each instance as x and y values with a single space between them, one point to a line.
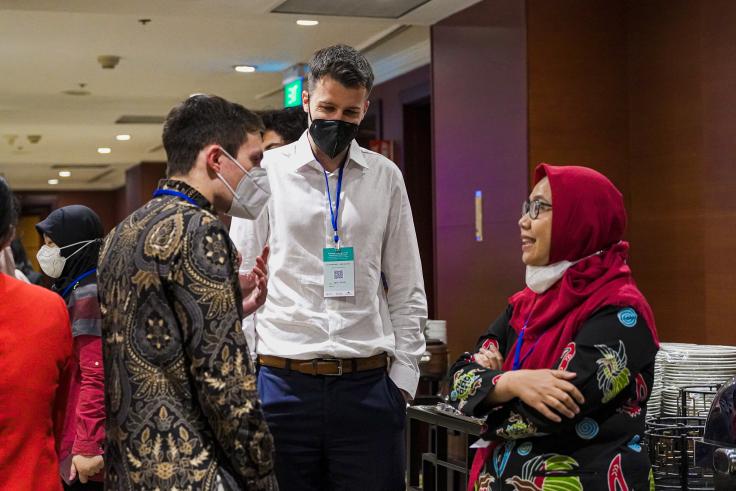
180 389
601 448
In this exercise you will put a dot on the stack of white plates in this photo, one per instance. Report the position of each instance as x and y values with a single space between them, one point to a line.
688 365
654 405
436 330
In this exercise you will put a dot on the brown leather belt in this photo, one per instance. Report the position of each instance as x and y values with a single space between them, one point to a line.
325 366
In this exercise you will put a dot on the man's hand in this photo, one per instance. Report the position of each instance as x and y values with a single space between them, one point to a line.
255 284
86 467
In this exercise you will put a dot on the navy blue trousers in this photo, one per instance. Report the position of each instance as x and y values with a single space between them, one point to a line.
335 433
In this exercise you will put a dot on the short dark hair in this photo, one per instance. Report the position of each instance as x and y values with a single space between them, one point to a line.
290 122
8 210
202 120
343 63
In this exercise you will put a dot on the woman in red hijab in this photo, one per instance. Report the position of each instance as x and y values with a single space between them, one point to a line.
563 375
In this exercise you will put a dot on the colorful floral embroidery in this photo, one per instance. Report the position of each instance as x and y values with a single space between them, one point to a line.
488 343
634 443
567 355
628 317
612 374
587 428
516 428
616 481
465 384
524 449
501 455
484 482
632 407
547 473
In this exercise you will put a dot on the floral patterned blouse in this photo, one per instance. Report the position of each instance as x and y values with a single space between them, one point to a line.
180 388
600 449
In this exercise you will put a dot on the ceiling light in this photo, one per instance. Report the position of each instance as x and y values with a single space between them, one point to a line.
53 182
104 150
65 173
108 61
244 68
122 138
305 22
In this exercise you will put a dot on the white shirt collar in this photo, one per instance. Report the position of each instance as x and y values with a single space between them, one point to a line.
304 156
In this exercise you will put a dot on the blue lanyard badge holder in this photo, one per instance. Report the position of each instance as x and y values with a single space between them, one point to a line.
518 360
338 261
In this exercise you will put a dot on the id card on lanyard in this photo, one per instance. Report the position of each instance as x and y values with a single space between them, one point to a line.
338 262
339 266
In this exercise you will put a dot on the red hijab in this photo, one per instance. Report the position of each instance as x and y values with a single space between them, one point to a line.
588 216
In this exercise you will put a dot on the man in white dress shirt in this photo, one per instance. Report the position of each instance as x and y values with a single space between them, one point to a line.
337 351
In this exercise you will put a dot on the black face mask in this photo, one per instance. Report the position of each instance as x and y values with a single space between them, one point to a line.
332 136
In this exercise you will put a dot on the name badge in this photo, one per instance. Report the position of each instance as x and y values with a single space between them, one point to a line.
339 268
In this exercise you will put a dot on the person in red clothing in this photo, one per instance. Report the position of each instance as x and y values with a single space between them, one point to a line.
35 351
72 237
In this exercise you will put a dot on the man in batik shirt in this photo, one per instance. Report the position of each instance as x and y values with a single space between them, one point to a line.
180 388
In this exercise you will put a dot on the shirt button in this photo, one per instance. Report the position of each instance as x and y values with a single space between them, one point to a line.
97 363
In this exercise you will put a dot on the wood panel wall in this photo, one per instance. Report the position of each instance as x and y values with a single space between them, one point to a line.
480 143
644 92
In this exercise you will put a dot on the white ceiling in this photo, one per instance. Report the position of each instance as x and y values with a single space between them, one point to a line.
47 47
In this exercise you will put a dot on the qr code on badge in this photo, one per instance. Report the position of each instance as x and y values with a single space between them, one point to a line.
339 274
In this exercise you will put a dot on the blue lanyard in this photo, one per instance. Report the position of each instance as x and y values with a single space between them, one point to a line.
336 212
171 192
518 361
76 281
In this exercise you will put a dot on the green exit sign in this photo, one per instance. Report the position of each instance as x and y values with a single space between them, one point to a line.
293 93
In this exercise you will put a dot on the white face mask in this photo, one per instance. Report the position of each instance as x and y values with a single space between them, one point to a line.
539 279
51 261
252 192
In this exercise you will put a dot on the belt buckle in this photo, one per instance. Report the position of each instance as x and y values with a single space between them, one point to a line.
338 363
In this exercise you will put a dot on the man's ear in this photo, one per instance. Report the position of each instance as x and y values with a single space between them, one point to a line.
305 101
213 155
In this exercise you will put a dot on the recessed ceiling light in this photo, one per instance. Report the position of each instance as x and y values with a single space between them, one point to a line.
244 68
104 150
306 22
122 138
53 182
65 173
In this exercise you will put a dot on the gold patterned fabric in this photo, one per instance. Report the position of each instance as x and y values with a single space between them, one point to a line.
180 389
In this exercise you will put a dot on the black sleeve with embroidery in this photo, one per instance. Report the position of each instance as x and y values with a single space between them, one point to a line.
208 305
470 383
613 358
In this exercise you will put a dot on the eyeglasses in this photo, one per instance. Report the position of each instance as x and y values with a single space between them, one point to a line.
532 208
